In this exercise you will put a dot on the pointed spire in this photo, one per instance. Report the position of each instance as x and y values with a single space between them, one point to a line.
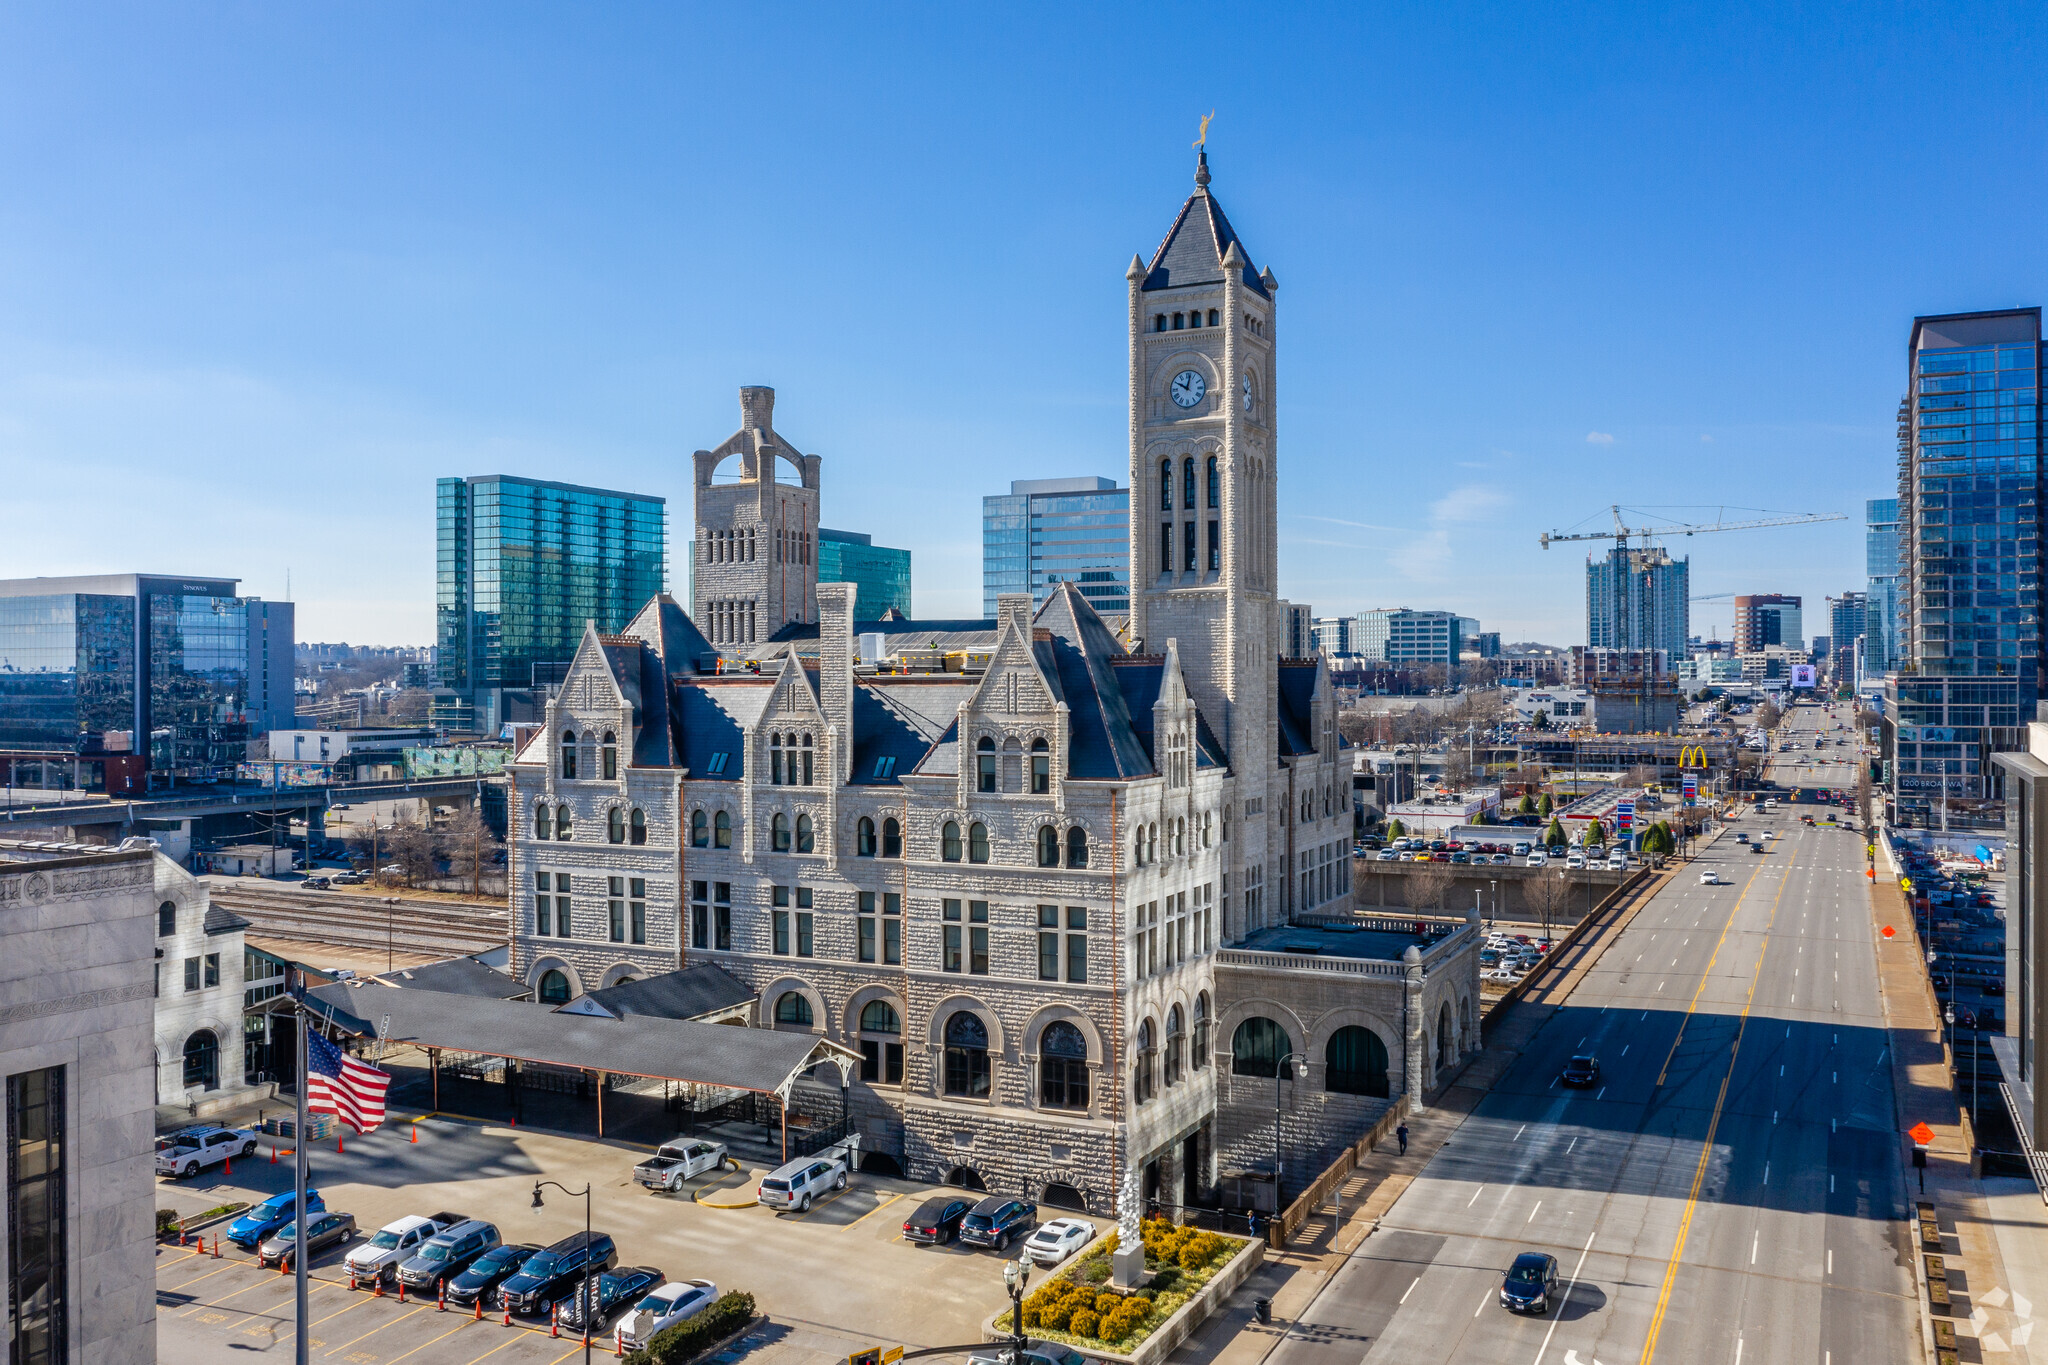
1202 168
1137 269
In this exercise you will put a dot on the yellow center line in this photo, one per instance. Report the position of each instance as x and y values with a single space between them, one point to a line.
1733 911
1699 1175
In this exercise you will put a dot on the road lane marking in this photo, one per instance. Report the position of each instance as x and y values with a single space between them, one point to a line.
1475 1197
1574 1143
1624 1049
1831 1184
1767 1173
510 1338
1562 1303
443 1337
1483 1301
1410 1289
1602 1095
1532 1213
1519 1131
1831 1260
1756 1241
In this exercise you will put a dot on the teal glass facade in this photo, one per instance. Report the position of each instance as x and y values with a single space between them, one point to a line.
1881 571
881 575
1049 531
521 564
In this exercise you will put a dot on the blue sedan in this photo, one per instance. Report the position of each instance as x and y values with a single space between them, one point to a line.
268 1216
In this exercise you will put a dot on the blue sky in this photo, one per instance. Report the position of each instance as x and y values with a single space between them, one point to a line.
267 271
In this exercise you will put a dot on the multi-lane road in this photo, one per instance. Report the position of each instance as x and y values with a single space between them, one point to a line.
1730 1191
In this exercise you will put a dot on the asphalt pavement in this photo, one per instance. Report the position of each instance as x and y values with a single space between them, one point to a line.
1731 1187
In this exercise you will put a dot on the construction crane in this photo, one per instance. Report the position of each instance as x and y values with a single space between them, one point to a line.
1622 533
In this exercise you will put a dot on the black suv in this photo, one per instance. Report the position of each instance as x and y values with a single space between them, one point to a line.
1581 1071
555 1273
995 1220
484 1273
1530 1283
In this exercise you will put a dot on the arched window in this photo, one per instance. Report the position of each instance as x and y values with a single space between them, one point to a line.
1257 1047
1048 847
700 830
806 840
1215 485
202 1061
1141 1066
879 1016
1077 847
775 760
1152 843
985 765
1062 1067
721 831
561 822
892 838
792 1008
615 826
949 842
864 838
966 1067
1166 486
1187 486
807 759
568 753
977 843
1179 321
543 821
639 825
1176 1043
554 988
1199 1053
1446 1050
778 833
1213 316
610 759
881 1057
1041 768
1159 322
1355 1063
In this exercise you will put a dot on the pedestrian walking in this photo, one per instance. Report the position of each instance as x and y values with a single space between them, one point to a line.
1402 1133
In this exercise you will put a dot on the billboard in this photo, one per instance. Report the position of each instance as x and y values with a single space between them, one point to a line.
1803 675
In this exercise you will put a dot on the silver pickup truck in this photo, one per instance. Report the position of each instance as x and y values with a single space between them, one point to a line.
678 1161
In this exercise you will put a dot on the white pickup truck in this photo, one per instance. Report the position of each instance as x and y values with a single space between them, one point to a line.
190 1150
676 1162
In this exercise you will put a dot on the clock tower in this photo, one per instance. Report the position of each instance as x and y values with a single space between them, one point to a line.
1204 562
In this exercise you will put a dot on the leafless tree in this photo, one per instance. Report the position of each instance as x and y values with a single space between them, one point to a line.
1457 768
1768 715
1642 775
1863 793
1549 894
1428 884
1356 726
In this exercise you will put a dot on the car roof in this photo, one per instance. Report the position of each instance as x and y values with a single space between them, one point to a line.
995 1202
577 1239
1529 1259
460 1231
407 1223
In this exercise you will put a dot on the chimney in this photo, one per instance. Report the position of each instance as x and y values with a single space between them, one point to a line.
835 671
1014 606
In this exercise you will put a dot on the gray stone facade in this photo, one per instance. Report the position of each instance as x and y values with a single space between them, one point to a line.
76 939
754 560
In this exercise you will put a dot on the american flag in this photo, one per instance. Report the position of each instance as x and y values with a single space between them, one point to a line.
338 1084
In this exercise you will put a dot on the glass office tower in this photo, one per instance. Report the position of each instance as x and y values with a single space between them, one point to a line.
521 564
1638 599
1881 570
1047 531
881 575
1970 665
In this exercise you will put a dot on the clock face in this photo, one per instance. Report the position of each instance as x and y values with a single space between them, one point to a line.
1247 393
1188 388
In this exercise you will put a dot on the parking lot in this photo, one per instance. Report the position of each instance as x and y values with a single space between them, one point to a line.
831 1281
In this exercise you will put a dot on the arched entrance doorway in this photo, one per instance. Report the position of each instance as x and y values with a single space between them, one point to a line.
1058 1194
202 1061
966 1178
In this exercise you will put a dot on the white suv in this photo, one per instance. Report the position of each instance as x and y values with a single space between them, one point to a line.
796 1185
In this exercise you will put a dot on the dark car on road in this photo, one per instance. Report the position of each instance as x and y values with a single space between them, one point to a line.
1530 1284
555 1273
613 1290
1581 1071
487 1270
995 1220
936 1220
323 1231
270 1215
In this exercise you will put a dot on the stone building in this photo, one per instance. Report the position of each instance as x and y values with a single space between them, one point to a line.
76 1120
200 964
1032 890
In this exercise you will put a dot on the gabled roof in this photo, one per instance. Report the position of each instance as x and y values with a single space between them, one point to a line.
1194 247
708 716
1140 675
901 718
695 991
221 921
1105 743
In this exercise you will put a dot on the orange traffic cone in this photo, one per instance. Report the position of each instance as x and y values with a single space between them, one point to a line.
555 1321
441 1305
227 1166
401 1291
377 1290
479 1307
351 1284
338 1148
508 1313
415 1132
273 1154
216 1246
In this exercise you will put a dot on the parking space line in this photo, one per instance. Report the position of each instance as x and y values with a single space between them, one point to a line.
466 1322
338 1312
826 1203
381 1326
872 1212
207 1276
566 1354
266 1280
509 1339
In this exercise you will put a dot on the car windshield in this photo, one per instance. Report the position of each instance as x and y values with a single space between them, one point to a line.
1526 1274
436 1251
1047 1235
660 1302
277 1203
385 1240
288 1232
541 1264
503 1256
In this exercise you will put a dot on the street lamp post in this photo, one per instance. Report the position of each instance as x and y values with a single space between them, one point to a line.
1016 1275
1280 1068
589 1308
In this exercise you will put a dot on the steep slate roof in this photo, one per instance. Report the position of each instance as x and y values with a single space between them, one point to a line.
1139 676
1105 742
687 994
902 718
707 718
220 921
1296 696
1196 244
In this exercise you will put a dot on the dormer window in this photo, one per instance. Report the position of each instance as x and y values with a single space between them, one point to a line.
610 758
569 755
1041 768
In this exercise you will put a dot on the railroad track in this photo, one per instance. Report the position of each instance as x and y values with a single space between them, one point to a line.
352 922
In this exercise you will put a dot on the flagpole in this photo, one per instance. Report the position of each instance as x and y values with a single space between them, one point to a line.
299 1287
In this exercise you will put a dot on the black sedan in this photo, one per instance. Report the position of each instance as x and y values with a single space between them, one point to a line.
325 1230
613 1290
487 1270
1530 1283
995 1220
1580 1071
936 1220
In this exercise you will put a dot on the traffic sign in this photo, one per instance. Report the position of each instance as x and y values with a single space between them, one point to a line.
1887 931
1921 1134
892 1355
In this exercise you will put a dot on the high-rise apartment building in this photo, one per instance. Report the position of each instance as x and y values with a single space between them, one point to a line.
1847 616
1970 664
881 574
1405 636
1044 532
1637 598
1297 630
1764 619
180 672
1334 635
1881 593
521 565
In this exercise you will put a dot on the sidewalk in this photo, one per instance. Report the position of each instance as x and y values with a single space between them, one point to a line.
1983 1223
1293 1277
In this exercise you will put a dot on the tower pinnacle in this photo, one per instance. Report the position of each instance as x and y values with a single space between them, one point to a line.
1202 169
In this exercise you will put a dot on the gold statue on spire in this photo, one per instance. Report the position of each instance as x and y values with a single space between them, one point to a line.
1203 139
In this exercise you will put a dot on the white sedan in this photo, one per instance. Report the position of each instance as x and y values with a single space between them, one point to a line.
665 1307
1710 878
1057 1240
